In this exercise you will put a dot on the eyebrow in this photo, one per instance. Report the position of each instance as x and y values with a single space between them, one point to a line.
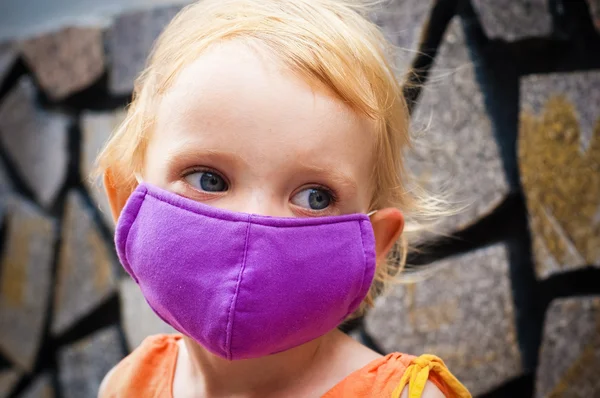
334 175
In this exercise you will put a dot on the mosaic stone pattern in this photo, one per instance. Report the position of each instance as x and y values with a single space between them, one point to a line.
463 313
96 128
455 151
36 141
25 283
139 321
559 160
130 40
85 270
514 19
570 355
66 61
84 364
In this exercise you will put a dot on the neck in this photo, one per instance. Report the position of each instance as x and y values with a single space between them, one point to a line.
220 377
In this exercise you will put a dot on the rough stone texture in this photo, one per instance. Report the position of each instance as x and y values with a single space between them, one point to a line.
25 282
559 162
139 321
513 20
8 379
570 352
402 22
41 387
85 271
36 141
8 55
65 61
96 128
463 313
129 43
83 365
455 150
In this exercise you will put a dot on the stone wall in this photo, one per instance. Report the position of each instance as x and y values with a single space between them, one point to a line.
509 93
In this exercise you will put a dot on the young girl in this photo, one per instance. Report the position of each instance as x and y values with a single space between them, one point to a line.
258 186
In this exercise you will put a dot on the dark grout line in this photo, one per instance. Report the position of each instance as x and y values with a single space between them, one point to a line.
492 228
582 281
95 97
521 386
439 18
17 70
106 314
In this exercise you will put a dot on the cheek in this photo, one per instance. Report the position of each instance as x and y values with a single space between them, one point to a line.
155 170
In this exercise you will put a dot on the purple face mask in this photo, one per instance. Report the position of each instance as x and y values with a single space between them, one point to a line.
241 285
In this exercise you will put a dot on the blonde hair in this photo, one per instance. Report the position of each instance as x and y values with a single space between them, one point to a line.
329 42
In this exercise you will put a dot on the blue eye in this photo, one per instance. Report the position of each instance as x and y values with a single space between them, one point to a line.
313 198
207 181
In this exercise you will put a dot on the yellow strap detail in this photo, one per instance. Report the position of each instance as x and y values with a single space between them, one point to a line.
417 374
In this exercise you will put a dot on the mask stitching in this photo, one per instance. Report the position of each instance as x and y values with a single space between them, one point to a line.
362 280
231 312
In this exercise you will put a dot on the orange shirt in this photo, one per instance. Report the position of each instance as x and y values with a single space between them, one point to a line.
149 370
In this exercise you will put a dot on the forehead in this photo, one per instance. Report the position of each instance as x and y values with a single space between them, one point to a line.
240 99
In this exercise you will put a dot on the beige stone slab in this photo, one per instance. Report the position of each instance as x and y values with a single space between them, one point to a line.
65 61
559 163
25 284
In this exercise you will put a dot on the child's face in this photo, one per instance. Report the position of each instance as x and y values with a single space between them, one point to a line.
237 131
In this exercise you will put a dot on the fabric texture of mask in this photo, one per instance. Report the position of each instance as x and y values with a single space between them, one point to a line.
242 285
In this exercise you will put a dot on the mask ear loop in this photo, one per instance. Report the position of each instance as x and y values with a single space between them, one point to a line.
369 214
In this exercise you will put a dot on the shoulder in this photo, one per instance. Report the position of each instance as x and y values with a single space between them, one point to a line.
153 354
428 376
430 391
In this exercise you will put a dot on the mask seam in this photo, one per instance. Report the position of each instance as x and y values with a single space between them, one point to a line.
362 280
231 312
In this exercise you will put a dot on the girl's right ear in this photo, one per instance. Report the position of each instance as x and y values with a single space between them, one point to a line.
117 194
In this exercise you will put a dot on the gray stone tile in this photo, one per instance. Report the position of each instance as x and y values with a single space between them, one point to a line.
512 20
83 365
65 61
25 284
36 141
41 387
570 352
130 40
559 152
139 321
8 379
85 268
402 22
463 313
96 129
455 152
8 55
